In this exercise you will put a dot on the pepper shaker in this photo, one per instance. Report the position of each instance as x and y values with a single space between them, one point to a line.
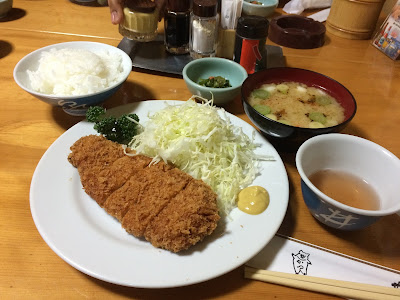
204 28
251 35
177 26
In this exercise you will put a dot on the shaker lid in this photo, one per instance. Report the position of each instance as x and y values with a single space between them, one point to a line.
252 27
205 8
178 5
144 6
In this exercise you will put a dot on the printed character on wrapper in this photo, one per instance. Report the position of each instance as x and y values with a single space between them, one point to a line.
301 262
251 35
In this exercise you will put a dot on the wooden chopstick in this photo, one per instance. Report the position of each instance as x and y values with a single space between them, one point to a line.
328 286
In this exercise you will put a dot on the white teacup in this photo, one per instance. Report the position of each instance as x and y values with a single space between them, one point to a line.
356 156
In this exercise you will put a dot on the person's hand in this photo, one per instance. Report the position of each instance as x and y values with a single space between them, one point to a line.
116 11
117 14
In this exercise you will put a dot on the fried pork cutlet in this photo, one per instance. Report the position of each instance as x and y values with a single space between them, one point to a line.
168 207
186 220
162 186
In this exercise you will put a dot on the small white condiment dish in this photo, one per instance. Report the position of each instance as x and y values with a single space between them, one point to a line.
73 105
359 157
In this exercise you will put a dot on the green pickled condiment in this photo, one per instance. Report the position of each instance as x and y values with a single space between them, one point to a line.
215 82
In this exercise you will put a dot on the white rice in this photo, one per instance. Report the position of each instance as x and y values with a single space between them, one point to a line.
66 72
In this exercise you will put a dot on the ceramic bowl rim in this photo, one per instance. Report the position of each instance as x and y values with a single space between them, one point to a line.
126 71
274 4
342 137
303 129
211 89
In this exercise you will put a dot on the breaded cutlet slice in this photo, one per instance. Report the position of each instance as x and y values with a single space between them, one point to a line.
91 155
94 150
103 182
119 202
186 220
161 187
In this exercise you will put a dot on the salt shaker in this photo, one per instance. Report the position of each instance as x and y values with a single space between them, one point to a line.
251 35
140 20
204 28
176 26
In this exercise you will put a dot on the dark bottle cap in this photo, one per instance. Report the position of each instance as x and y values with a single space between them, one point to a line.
178 5
144 6
252 27
205 8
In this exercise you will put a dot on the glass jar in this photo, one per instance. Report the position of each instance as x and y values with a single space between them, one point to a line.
140 20
204 28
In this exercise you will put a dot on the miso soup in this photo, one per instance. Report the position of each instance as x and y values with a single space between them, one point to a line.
297 104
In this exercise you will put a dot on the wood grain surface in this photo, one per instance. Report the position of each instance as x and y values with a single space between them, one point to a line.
29 269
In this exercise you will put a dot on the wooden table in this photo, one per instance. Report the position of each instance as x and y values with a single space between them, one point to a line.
30 269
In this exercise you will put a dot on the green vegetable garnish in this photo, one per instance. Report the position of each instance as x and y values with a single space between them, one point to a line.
282 88
262 109
120 130
95 113
215 82
317 117
323 100
260 93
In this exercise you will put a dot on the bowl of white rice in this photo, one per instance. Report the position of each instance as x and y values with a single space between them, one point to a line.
73 75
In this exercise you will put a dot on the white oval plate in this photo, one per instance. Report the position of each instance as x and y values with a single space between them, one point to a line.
90 240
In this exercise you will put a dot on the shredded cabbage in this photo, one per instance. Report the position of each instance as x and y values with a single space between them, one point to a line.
197 140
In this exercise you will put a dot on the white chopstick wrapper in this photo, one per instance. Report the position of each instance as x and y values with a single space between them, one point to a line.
288 255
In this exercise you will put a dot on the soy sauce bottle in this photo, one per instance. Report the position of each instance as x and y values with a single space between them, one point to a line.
177 26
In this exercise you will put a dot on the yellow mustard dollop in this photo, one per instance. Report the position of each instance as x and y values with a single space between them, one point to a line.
253 200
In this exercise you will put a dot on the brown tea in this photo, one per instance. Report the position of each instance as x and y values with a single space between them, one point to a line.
346 188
